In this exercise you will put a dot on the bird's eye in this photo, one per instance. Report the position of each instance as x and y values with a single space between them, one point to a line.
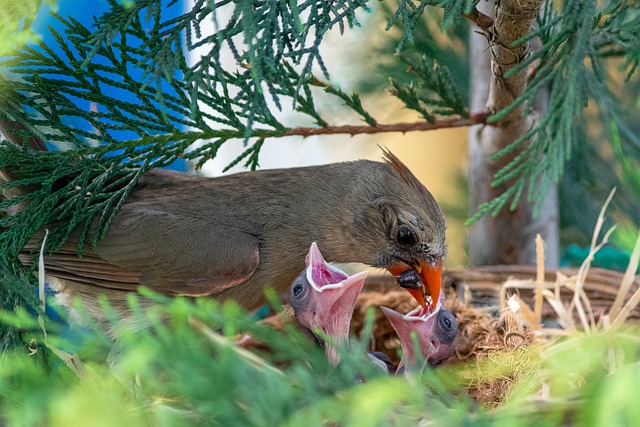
446 322
298 288
447 327
406 237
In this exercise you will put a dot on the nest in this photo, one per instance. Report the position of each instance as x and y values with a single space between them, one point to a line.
503 312
499 314
479 332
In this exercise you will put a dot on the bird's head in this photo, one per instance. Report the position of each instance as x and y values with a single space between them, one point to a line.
323 298
406 227
435 333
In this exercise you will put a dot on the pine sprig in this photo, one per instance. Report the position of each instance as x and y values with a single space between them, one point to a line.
407 15
352 101
251 154
265 38
409 96
570 40
433 89
409 12
617 33
454 9
262 35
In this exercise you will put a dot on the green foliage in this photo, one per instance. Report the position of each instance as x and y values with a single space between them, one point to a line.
409 13
352 101
184 369
589 175
449 49
15 23
411 99
14 292
571 63
618 28
434 87
263 36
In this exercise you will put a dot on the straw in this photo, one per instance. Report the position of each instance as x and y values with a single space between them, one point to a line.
539 279
627 280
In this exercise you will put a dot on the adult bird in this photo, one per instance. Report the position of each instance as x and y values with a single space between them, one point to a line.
232 237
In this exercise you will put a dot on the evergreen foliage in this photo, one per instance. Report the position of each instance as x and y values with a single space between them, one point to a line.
576 42
448 49
15 23
433 79
274 47
184 371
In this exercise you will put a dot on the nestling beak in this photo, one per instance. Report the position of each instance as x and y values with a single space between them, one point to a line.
435 332
431 277
326 299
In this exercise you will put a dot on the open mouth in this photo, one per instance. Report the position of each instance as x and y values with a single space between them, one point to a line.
333 297
322 275
423 313
417 324
336 293
435 330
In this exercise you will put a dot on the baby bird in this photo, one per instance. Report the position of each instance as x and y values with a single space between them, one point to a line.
323 298
435 331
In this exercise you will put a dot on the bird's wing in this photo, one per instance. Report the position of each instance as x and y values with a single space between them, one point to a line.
169 253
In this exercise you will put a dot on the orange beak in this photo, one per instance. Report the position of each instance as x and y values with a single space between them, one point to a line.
431 276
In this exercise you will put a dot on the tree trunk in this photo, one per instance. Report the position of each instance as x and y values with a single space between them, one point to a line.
508 238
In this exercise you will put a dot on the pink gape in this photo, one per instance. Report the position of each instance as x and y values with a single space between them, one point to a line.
323 298
435 332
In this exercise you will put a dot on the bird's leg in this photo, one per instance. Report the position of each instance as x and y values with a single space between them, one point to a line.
409 279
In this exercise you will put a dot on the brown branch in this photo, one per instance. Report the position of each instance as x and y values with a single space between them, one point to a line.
474 119
507 238
514 19
485 22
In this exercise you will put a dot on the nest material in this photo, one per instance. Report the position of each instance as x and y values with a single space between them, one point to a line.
490 329
479 333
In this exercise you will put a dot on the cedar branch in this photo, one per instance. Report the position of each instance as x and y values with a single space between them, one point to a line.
474 119
484 22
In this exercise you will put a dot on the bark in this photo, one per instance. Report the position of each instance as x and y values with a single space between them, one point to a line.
508 238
